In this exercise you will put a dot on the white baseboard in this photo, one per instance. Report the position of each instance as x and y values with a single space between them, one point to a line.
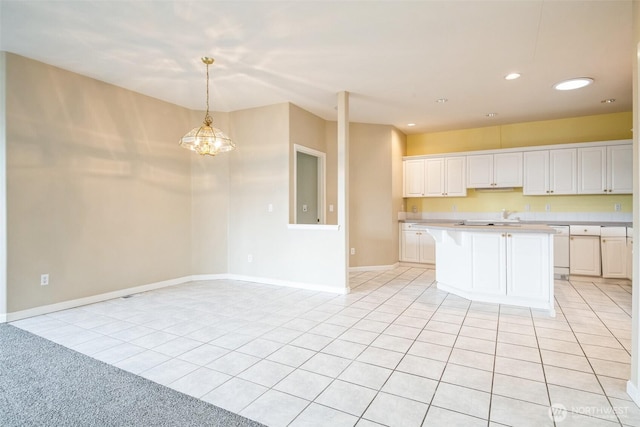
289 284
65 305
633 392
375 267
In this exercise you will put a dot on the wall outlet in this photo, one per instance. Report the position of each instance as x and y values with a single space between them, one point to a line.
249 258
547 207
527 207
353 251
305 208
44 280
330 208
617 207
454 208
270 207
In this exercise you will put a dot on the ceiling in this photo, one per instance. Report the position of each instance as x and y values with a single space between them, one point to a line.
396 58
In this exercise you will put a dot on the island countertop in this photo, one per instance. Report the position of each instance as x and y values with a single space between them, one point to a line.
509 228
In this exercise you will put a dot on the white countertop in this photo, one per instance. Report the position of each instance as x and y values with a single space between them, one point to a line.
512 228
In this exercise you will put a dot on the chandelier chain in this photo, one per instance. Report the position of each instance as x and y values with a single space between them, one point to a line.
207 118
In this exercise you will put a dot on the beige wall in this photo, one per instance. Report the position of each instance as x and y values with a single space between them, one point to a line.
308 130
98 194
373 149
210 204
259 176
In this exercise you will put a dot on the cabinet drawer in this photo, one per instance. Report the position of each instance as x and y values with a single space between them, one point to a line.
613 231
584 230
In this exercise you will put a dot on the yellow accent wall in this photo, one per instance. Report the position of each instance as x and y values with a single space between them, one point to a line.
604 127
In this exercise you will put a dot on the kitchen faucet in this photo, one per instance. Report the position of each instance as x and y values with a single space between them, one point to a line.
506 213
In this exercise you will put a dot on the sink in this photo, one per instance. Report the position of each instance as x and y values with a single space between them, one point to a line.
489 222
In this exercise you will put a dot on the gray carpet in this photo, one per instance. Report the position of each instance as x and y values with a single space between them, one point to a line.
45 384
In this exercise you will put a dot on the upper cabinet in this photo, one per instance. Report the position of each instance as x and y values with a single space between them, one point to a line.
445 177
581 168
494 170
605 169
435 177
549 172
413 178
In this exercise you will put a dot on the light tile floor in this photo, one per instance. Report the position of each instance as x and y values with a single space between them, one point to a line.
396 351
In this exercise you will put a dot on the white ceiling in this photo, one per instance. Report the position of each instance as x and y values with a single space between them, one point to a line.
396 58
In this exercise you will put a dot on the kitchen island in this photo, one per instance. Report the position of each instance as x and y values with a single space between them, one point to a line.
508 263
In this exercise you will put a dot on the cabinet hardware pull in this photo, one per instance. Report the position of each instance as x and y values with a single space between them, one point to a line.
508 235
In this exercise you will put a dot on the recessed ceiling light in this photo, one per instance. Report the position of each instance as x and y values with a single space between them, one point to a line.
608 101
411 124
492 114
572 84
512 76
441 100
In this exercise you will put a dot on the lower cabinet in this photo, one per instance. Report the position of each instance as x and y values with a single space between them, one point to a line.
416 245
584 255
512 264
614 259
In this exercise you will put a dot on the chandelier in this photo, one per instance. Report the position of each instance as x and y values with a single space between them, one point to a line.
207 139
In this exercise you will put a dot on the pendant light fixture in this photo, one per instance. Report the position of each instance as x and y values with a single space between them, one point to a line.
207 139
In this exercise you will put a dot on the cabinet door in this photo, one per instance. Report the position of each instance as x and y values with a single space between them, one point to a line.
528 265
536 173
480 171
488 263
584 255
563 165
507 170
434 177
614 260
592 166
413 178
410 246
427 248
455 177
620 169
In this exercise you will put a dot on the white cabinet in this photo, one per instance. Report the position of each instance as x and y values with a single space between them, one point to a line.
488 263
413 178
494 170
549 172
445 177
416 245
434 177
505 267
584 250
613 247
512 264
605 169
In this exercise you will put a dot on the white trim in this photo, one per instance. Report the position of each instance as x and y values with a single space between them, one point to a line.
322 177
64 305
375 267
289 284
633 392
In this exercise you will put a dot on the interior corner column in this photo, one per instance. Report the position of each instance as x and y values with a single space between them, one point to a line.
343 177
